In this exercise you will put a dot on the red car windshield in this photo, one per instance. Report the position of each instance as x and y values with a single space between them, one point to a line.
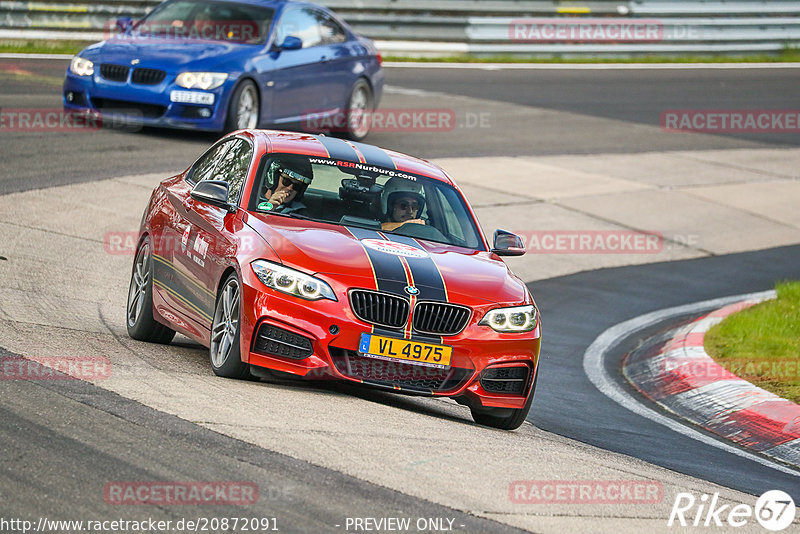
216 21
365 196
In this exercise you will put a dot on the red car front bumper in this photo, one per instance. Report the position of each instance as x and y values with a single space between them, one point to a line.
327 334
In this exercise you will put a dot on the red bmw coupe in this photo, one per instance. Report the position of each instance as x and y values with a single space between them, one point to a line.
323 258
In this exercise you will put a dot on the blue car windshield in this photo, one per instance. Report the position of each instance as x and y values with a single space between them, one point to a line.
364 196
208 20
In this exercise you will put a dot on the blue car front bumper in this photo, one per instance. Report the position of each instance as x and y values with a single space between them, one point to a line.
161 104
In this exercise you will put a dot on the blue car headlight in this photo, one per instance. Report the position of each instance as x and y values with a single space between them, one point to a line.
81 67
515 319
201 80
291 282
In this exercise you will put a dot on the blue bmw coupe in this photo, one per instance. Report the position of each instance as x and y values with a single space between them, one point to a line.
222 65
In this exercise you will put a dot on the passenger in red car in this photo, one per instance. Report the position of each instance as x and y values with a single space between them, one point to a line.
289 180
403 203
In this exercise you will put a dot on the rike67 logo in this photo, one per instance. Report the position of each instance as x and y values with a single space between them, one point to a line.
774 510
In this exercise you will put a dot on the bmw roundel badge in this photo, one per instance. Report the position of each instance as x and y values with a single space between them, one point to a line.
411 290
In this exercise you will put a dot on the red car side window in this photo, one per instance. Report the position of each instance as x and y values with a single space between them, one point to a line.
204 168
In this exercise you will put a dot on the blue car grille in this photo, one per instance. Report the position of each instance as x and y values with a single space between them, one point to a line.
114 73
148 76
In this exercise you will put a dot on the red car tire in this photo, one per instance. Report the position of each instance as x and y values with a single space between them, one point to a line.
224 350
141 324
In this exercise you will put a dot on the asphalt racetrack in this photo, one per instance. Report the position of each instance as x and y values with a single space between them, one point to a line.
581 149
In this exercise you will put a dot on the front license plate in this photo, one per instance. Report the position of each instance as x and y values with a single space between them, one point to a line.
191 97
387 348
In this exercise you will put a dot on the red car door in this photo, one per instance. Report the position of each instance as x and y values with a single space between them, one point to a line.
183 244
212 236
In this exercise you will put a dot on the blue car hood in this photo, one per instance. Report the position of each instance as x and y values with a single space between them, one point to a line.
169 54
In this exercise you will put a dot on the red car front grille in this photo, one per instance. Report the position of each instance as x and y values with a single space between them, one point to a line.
379 308
382 309
440 318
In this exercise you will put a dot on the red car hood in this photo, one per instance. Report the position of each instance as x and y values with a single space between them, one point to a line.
358 257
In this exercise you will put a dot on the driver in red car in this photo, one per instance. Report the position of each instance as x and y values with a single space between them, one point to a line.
287 180
402 203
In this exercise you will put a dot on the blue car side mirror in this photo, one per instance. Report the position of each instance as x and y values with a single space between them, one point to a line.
291 43
124 24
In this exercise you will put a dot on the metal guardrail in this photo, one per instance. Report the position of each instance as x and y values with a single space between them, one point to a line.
488 27
718 8
670 30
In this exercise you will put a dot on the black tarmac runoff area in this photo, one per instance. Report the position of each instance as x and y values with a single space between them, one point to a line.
515 112
55 467
580 307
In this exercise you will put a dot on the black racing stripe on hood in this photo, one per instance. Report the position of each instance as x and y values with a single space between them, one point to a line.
389 272
338 149
424 271
388 268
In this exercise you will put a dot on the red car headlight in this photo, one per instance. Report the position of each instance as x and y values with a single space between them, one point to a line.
515 319
291 281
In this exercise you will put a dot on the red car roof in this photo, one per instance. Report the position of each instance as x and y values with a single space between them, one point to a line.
332 147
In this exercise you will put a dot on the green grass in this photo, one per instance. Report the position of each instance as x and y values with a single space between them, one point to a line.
19 46
762 343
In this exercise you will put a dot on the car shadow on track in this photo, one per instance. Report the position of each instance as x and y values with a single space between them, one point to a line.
419 404
413 403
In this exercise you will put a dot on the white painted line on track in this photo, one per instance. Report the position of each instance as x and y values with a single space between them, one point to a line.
397 90
594 368
587 66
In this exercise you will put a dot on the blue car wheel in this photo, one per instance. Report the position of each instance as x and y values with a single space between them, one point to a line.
243 109
359 111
